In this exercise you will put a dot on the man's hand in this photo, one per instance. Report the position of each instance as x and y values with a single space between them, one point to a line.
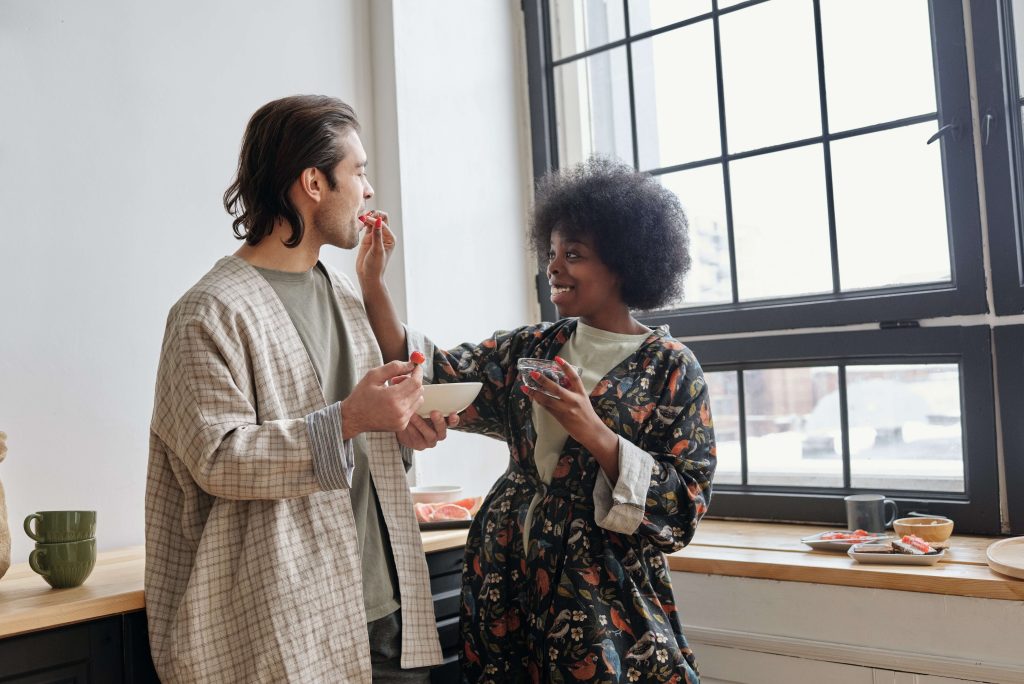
375 248
425 434
376 406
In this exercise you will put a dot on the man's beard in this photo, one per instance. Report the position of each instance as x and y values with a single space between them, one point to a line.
336 230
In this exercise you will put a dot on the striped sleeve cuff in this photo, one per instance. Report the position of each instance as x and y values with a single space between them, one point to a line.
417 341
333 459
406 456
620 508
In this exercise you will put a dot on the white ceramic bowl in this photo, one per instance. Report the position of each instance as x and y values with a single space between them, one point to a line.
448 398
435 493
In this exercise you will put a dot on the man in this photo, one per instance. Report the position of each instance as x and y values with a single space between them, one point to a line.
281 543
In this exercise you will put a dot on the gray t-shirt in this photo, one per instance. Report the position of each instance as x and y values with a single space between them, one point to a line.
311 304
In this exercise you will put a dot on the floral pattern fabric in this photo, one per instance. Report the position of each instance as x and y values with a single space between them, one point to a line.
582 604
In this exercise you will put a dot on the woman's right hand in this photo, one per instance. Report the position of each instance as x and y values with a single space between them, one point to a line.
375 248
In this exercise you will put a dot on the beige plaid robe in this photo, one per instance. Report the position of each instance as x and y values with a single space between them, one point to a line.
252 568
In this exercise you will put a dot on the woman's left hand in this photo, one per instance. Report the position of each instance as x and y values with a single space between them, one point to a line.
569 403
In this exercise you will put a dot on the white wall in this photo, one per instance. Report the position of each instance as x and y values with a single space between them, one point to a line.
464 167
119 132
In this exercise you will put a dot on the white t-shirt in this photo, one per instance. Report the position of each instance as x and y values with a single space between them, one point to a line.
596 352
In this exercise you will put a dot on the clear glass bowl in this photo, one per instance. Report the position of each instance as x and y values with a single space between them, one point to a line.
545 367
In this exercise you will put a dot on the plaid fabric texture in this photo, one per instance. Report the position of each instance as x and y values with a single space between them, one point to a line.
252 567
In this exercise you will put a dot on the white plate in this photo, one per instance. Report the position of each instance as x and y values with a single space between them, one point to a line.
435 493
449 397
816 541
896 558
1007 556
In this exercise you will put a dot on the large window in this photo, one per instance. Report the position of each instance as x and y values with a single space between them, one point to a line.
824 151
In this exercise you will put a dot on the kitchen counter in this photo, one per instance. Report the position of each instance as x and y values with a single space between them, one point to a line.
28 604
774 551
725 548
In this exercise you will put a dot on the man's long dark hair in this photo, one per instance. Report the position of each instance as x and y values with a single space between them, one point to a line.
282 139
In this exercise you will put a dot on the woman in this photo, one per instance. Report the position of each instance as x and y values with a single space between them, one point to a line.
565 578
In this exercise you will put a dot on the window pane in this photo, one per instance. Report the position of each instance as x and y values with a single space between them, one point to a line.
1017 7
645 15
793 438
723 389
702 195
592 108
780 224
770 74
579 25
890 203
676 92
891 79
905 427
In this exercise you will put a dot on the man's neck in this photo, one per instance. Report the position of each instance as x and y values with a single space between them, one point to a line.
271 252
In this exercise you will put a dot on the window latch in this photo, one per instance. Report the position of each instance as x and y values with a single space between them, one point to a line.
953 128
987 127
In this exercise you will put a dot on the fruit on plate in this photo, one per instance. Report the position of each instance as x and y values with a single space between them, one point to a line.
855 536
913 545
464 509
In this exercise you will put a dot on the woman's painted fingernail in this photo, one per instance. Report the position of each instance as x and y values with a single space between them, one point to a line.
560 360
535 375
379 222
525 389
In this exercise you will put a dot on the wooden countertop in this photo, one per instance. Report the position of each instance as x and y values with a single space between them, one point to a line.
27 603
736 549
774 551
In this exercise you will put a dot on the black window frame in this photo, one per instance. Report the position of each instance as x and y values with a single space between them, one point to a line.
1009 351
999 108
975 509
785 322
964 295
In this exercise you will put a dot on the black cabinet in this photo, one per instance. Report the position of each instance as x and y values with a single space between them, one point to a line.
446 586
113 649
116 648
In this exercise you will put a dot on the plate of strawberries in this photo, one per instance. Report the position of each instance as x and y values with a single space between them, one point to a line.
842 540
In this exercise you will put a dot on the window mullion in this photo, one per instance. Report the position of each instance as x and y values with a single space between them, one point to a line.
829 198
844 425
741 405
727 186
629 81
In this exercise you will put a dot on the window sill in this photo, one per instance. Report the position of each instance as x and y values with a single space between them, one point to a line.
774 551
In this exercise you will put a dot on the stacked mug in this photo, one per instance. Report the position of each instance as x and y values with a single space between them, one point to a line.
65 550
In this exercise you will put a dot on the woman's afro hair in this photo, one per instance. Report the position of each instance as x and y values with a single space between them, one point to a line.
636 225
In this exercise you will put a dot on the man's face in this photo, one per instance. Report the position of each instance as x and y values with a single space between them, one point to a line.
336 217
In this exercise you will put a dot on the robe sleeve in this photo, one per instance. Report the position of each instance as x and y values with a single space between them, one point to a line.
664 485
491 362
205 418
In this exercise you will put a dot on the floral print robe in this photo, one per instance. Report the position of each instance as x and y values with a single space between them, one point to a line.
582 603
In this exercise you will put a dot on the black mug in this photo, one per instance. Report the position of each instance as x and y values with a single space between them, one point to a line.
867 512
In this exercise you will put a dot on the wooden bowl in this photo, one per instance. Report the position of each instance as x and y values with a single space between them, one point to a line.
929 529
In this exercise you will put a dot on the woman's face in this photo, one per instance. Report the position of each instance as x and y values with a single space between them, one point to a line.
581 285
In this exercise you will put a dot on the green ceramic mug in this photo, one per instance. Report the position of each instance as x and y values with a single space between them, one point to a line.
52 527
66 564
